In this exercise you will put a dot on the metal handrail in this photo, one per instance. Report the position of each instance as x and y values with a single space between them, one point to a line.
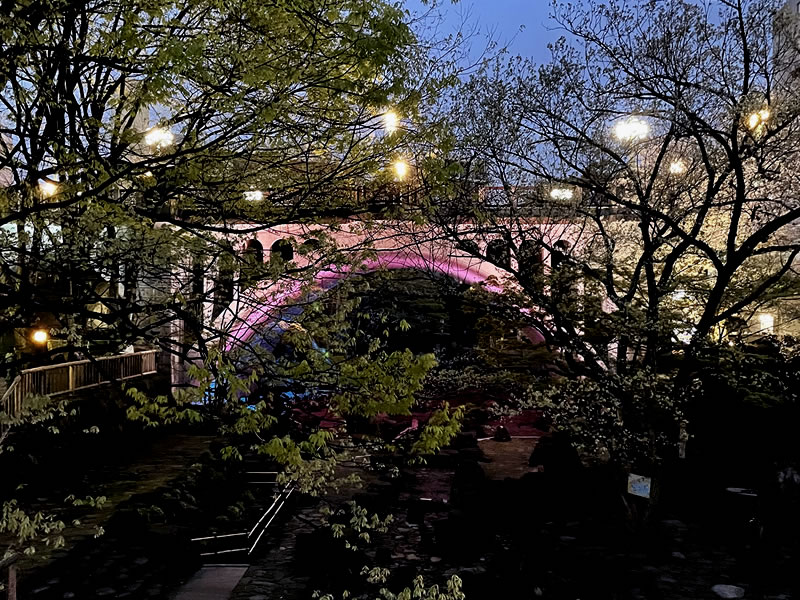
252 537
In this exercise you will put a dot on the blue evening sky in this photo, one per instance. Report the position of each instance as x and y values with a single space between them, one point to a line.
503 18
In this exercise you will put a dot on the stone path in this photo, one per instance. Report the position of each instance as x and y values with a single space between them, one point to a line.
507 459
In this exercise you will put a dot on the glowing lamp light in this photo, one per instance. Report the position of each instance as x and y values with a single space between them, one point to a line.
254 195
677 167
40 336
756 119
631 129
159 137
766 323
562 194
48 189
391 122
401 169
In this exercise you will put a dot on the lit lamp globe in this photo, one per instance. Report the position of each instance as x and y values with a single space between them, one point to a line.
40 336
401 169
391 122
159 137
254 195
677 167
48 189
758 119
632 129
562 194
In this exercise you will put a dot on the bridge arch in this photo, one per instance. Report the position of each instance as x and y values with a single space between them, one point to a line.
269 307
393 245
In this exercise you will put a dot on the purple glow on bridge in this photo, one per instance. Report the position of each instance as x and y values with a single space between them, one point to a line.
271 306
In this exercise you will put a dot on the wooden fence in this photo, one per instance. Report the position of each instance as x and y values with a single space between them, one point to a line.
64 378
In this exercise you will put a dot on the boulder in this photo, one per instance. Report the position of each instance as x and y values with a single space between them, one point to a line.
501 434
728 591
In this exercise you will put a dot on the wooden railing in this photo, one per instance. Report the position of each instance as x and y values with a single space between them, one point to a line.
64 378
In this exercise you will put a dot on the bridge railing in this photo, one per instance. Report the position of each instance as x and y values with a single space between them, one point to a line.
64 378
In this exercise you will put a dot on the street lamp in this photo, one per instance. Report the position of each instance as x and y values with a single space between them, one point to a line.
401 169
631 129
48 189
159 137
677 167
391 122
766 323
758 118
40 336
563 194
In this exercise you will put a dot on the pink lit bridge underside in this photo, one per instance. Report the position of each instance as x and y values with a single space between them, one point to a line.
269 306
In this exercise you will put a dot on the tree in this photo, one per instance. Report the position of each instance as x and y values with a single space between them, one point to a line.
143 143
262 115
118 232
654 159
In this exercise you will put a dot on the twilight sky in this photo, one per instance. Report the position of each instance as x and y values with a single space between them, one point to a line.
504 18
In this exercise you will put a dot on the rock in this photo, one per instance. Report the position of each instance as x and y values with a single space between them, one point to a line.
142 560
555 453
673 524
106 591
69 595
728 591
679 555
567 538
501 434
435 559
412 556
650 569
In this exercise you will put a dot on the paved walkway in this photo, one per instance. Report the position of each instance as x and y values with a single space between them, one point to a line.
109 565
212 583
507 459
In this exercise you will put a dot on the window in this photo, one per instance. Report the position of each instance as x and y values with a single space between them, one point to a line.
254 252
281 249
